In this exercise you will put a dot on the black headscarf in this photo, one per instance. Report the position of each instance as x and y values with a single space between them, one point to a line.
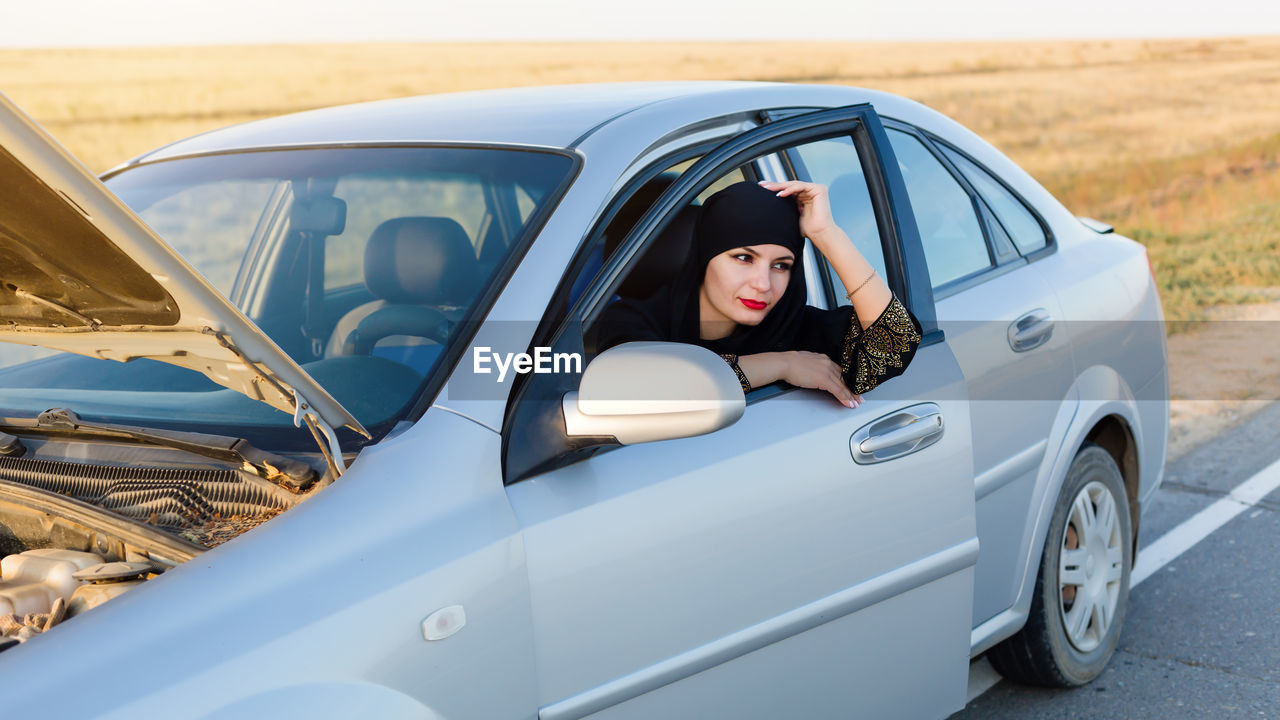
740 215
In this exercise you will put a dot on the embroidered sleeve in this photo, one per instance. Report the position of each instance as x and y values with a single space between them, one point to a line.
742 377
881 351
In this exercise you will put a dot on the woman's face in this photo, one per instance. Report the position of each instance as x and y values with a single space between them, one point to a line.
741 286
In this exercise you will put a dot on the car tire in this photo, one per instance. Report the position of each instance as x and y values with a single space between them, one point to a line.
1082 587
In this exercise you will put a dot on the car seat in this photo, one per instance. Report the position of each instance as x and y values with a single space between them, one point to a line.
424 274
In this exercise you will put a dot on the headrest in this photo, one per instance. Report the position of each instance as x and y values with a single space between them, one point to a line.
421 261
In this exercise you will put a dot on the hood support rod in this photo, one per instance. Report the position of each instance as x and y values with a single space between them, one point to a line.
324 435
302 413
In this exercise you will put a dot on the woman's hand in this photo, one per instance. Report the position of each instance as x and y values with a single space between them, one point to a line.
816 222
802 369
867 292
817 371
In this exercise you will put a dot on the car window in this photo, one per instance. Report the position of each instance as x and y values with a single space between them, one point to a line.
1013 215
524 203
954 246
834 163
644 278
254 214
216 246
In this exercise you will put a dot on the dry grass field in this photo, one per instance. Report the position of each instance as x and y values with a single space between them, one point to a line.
1175 142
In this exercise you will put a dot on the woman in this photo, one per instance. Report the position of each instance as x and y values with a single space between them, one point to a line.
741 294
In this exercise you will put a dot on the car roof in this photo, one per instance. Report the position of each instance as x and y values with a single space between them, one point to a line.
547 116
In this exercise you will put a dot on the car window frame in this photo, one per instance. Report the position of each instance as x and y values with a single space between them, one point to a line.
559 310
794 167
1051 242
631 246
998 266
263 252
904 259
931 141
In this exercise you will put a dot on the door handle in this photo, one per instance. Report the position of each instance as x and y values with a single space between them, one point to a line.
897 434
1031 330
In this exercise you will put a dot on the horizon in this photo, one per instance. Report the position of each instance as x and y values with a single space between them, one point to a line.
651 41
84 24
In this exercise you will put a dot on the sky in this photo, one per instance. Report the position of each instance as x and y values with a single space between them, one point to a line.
77 23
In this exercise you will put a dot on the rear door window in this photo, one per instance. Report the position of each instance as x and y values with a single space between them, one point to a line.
954 245
1012 214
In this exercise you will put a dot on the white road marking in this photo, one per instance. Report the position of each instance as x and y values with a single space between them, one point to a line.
1198 527
1153 557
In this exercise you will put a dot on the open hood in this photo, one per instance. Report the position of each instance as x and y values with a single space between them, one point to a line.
80 272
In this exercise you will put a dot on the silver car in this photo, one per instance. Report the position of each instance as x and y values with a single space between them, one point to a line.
364 458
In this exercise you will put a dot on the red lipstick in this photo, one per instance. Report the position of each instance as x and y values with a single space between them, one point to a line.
754 304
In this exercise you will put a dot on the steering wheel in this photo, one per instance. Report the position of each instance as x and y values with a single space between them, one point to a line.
412 320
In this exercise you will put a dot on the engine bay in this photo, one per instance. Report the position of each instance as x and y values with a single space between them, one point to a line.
75 534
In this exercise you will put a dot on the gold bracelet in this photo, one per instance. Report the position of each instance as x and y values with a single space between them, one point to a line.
742 377
849 295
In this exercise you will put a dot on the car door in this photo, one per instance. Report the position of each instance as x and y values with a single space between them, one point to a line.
1000 315
759 571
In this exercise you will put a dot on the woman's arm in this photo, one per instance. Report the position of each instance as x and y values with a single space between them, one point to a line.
882 334
801 369
870 355
867 290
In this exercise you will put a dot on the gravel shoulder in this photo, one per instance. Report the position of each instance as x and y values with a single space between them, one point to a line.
1222 372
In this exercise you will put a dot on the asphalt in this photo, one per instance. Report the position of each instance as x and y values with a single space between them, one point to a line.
1202 636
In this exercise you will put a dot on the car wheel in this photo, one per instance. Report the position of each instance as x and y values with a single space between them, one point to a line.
1082 588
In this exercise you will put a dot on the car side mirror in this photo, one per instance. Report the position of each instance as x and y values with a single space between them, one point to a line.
645 391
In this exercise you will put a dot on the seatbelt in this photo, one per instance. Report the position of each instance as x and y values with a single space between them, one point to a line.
313 324
317 214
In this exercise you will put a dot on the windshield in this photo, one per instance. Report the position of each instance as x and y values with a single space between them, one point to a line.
359 262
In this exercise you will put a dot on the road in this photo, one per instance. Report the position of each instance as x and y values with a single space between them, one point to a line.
1202 636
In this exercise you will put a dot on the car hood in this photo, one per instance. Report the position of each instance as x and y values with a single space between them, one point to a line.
81 273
